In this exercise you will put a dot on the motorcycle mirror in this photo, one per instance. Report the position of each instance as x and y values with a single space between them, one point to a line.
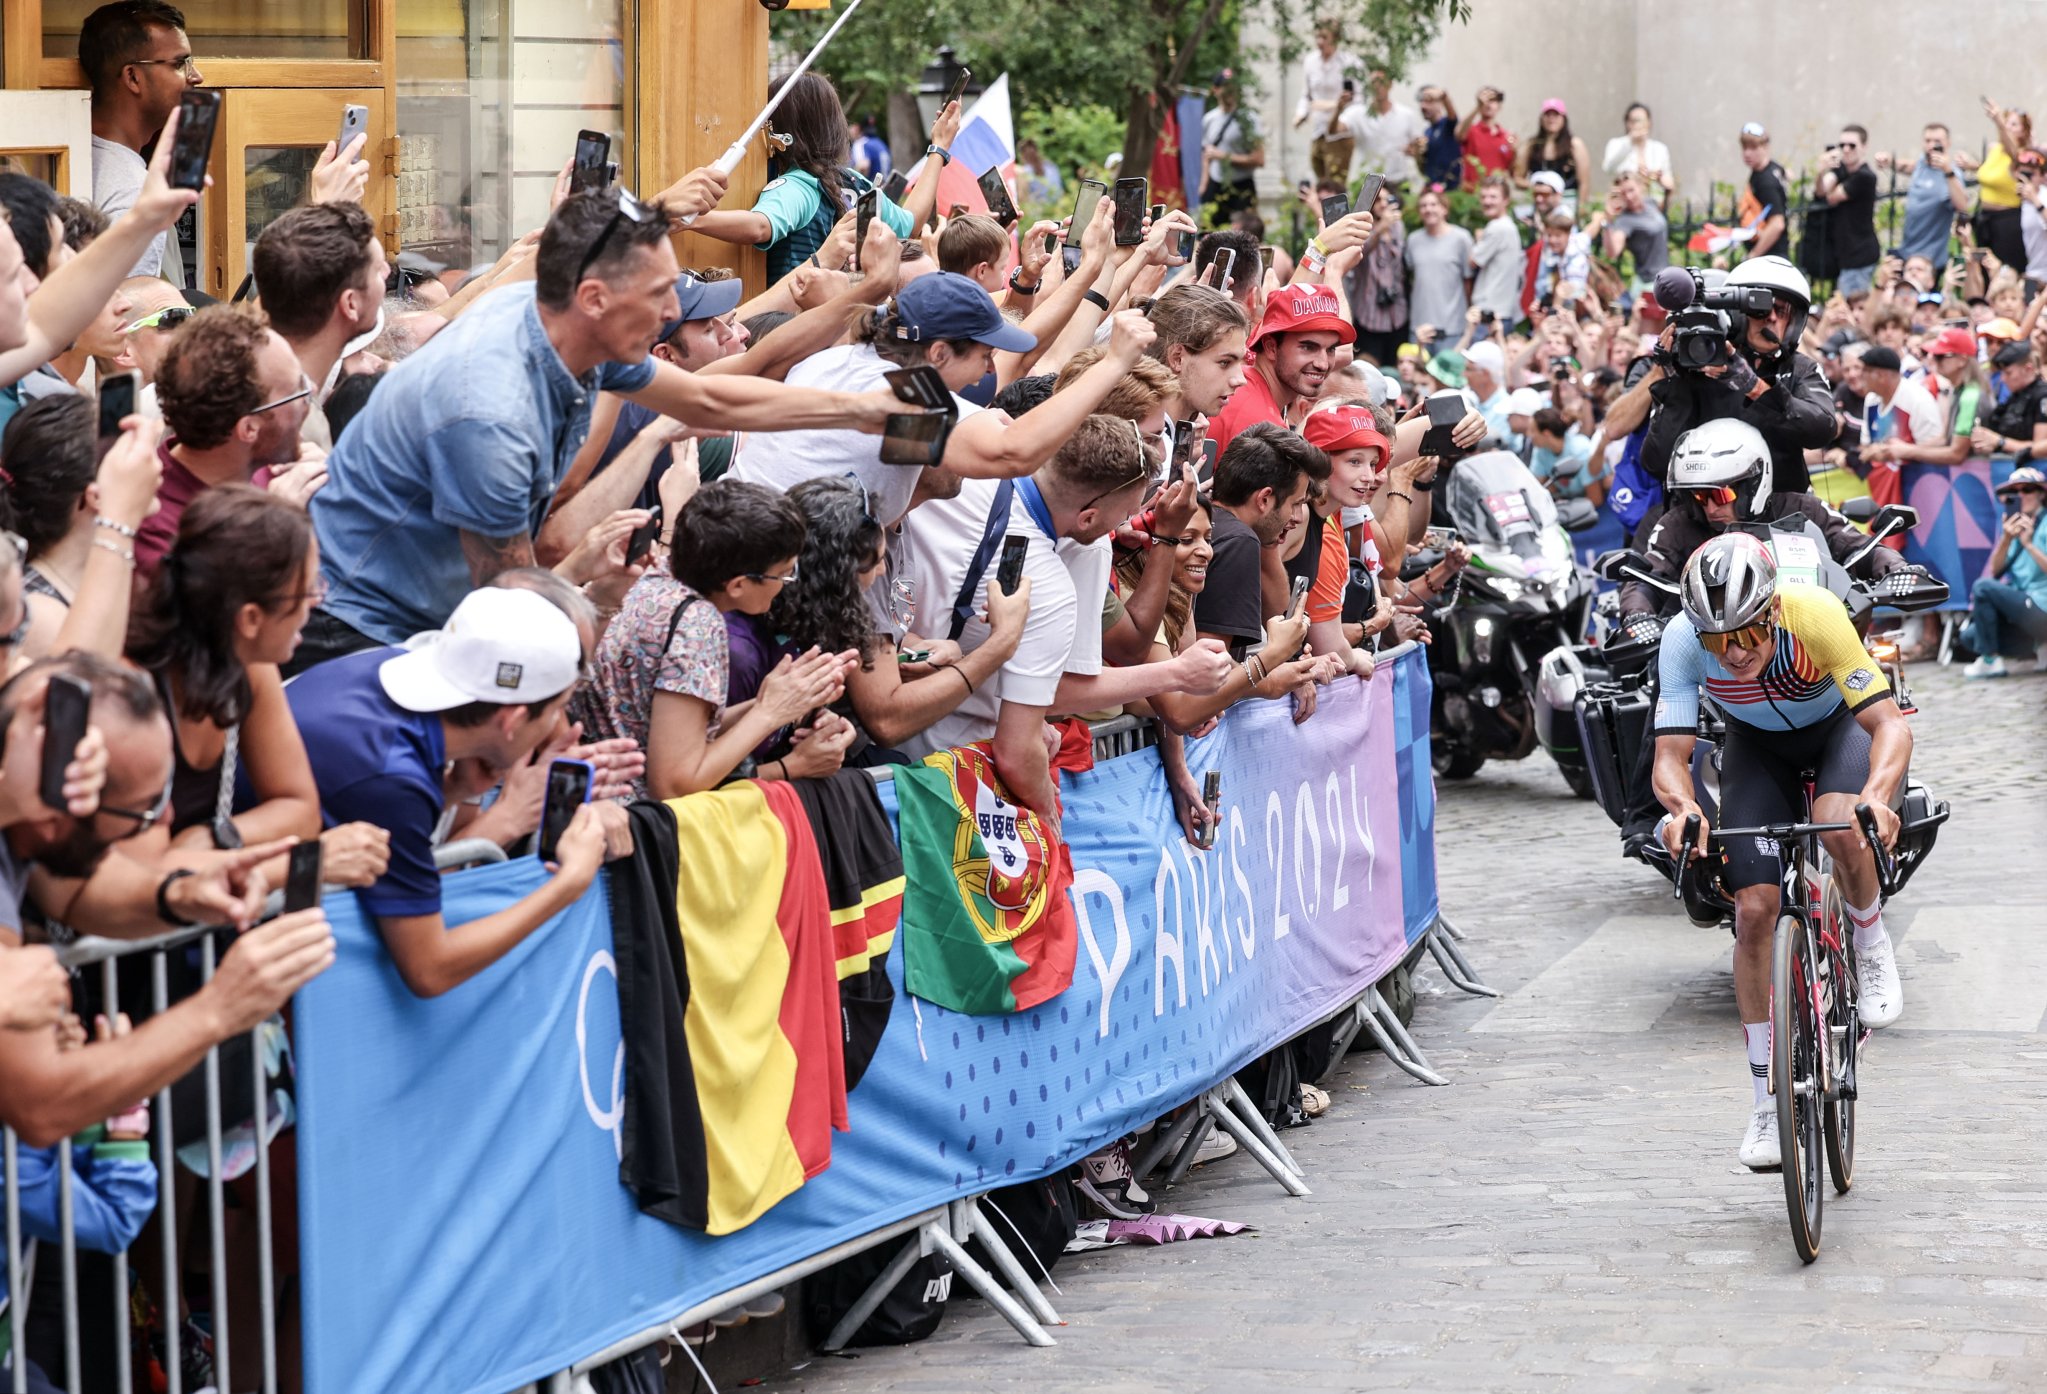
1612 566
1859 510
1898 517
1576 514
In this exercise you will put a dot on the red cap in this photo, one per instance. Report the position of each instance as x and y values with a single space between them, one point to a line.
1346 427
1952 340
1294 308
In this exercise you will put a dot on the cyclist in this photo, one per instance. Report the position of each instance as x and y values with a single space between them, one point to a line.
1799 693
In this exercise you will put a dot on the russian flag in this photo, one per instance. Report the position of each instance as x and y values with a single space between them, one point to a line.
987 140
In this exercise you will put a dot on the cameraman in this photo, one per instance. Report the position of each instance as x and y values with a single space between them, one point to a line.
1764 380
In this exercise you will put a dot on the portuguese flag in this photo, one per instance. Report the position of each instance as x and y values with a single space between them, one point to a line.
987 925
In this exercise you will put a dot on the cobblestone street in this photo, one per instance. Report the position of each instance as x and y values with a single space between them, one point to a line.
1568 1214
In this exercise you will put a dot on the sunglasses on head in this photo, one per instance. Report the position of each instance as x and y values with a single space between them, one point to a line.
1749 637
628 209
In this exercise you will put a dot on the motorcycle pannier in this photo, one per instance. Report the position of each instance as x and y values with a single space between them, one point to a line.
1612 720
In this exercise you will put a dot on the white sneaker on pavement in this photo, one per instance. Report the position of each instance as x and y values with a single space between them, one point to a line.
1759 1151
1217 1145
1989 667
1880 996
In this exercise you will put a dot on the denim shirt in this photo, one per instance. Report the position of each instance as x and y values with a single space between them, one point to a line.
471 434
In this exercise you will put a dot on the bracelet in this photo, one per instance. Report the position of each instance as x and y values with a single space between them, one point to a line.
126 554
1095 297
1246 666
944 155
960 673
1404 498
163 899
103 521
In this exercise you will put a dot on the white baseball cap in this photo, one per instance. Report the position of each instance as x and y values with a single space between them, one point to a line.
502 646
1486 356
1525 401
1549 179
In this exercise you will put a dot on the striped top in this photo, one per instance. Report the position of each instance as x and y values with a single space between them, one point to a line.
1819 666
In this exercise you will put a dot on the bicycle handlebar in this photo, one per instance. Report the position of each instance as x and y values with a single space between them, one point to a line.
1886 864
1781 831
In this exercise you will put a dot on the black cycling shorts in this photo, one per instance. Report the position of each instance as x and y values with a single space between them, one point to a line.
1759 783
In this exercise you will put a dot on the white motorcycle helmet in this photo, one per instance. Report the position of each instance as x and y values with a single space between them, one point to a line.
1728 453
1781 278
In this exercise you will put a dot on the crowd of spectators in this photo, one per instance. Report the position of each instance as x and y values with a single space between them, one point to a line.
426 518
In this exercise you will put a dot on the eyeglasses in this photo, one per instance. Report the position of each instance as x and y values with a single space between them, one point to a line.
788 580
166 319
185 65
1143 474
629 208
143 821
305 390
1749 638
1717 494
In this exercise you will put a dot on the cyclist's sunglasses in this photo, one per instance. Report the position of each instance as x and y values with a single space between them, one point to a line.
1720 494
1749 637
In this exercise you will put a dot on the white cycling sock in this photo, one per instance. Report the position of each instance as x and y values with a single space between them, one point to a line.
1758 1034
1868 921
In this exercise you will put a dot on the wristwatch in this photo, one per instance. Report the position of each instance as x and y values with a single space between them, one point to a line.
1016 282
944 155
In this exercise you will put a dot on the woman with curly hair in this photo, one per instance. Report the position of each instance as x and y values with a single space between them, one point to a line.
893 693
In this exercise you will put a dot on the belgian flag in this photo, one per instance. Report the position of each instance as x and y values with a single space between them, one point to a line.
729 999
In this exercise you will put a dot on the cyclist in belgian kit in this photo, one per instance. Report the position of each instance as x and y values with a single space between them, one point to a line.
1799 693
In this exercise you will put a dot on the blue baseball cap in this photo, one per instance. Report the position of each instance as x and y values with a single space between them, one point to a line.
701 300
947 305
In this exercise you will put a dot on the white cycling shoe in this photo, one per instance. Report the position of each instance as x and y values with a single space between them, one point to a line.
1880 997
1759 1150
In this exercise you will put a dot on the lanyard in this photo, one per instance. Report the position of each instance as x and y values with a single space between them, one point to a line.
1034 504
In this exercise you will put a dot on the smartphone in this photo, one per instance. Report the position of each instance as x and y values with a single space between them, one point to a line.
1051 243
611 174
1297 594
1368 192
896 185
198 114
1158 211
1335 208
117 403
1091 192
1000 206
913 655
568 789
66 709
355 121
1185 250
1445 409
957 210
921 386
1132 197
1209 450
1212 795
1009 571
1438 539
642 540
863 214
593 153
915 438
959 86
1187 439
1227 258
302 876
1268 257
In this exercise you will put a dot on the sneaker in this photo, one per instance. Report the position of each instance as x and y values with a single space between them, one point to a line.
1985 668
768 1304
1881 997
1107 1180
1217 1145
1759 1150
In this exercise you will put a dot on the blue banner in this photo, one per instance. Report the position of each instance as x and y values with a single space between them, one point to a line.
462 1224
1959 518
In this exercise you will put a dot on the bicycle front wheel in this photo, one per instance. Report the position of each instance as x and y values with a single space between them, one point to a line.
1795 1027
1844 1025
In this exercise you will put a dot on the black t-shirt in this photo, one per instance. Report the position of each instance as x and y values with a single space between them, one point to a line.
1231 604
1766 186
2019 413
1852 221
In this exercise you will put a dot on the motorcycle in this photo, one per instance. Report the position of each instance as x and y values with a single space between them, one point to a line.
1523 595
1613 715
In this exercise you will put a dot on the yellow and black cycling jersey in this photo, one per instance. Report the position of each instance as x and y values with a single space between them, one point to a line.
1819 666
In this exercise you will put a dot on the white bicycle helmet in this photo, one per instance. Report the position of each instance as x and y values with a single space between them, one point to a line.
1782 278
1728 453
1728 583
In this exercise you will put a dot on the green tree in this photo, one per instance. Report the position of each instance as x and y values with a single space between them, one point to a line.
1131 55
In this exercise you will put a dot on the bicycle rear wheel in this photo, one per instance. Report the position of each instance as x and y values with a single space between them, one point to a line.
1845 1027
1795 1027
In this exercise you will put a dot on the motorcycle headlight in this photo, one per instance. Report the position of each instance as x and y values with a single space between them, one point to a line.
1506 587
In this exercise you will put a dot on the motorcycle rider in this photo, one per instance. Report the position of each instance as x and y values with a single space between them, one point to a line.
1722 476
1766 382
1799 693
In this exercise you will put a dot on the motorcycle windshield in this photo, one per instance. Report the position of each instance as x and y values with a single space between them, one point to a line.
1495 500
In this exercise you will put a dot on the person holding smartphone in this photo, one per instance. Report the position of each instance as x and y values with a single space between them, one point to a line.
1232 150
813 183
139 64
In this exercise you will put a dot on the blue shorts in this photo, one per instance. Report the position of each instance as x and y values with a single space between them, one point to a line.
1854 278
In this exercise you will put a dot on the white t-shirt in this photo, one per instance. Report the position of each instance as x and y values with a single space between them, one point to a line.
1069 581
117 175
1621 156
784 459
1322 81
1382 140
1911 407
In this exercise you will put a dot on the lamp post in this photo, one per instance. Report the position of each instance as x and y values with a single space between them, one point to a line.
937 80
